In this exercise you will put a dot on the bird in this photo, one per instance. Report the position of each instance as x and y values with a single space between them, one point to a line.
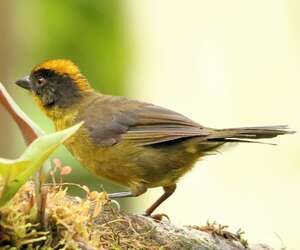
136 144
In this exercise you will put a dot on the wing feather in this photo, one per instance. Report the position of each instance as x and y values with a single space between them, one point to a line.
114 119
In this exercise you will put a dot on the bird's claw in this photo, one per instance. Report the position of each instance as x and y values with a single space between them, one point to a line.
157 217
116 204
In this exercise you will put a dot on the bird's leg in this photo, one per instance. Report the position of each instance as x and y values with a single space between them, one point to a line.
120 195
169 190
135 191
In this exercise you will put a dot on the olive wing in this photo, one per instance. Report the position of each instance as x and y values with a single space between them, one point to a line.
114 119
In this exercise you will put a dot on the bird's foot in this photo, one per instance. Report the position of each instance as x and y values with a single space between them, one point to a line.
157 217
115 204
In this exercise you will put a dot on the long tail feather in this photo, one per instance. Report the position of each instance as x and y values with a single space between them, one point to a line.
247 134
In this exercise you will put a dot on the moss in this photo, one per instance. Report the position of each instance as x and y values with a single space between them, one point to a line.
71 223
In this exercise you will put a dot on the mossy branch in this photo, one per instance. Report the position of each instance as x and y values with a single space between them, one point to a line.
94 223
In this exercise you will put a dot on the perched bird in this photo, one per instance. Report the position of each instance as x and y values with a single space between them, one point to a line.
136 144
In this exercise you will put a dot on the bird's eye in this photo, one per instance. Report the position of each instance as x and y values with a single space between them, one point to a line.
41 81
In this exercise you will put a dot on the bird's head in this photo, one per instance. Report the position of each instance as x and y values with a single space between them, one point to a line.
55 83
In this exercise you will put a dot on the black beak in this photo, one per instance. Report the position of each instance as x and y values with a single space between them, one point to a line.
24 83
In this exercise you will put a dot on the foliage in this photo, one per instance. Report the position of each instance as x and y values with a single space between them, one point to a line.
15 173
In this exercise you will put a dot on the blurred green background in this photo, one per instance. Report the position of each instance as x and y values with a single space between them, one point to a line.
222 63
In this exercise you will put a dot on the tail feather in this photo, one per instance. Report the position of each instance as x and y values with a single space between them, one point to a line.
248 134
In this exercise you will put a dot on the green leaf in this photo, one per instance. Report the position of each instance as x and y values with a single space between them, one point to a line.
16 172
30 131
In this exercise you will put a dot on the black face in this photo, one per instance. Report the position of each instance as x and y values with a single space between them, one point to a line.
52 88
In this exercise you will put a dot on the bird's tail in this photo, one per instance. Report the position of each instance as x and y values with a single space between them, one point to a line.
248 134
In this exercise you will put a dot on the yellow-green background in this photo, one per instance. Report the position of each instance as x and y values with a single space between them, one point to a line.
222 63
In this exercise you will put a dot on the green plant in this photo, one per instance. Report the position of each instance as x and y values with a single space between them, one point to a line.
16 172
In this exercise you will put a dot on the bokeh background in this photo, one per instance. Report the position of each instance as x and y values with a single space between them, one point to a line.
222 63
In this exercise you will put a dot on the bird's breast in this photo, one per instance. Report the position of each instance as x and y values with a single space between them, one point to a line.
110 162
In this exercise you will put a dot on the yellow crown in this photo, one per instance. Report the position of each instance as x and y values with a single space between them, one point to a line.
65 67
60 66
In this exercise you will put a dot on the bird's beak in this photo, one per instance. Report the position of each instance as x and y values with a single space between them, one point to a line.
24 83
